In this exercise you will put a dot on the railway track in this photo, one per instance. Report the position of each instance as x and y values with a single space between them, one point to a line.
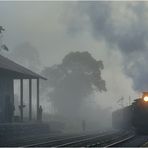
91 139
120 142
57 141
81 140
17 141
42 138
31 140
131 141
136 141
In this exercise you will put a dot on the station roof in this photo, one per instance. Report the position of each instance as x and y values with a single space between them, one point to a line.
17 70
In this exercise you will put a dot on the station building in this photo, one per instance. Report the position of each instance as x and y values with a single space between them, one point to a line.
10 71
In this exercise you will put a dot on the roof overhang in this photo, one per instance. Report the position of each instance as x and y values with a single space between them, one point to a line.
9 67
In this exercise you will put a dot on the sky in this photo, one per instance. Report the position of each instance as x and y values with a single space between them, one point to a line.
114 32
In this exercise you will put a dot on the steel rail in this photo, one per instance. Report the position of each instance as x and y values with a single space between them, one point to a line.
114 144
19 141
80 141
57 142
90 141
30 139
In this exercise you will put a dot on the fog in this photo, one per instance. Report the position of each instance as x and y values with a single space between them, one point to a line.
92 53
71 86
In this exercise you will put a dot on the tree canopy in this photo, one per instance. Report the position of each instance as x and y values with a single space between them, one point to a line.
2 46
72 81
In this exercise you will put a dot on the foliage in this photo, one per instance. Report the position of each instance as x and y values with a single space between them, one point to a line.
72 81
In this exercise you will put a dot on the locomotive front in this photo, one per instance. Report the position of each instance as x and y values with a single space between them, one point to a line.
140 114
134 116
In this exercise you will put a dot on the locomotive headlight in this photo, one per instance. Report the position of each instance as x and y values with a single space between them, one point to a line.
145 98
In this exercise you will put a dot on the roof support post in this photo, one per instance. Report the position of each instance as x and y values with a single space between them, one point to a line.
30 99
38 103
21 99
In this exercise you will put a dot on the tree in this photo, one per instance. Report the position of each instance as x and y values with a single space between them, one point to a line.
2 46
72 81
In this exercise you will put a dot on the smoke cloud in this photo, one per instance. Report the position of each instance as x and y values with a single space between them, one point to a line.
26 54
122 26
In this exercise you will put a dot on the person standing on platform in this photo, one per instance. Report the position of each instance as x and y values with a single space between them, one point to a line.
83 125
9 110
40 113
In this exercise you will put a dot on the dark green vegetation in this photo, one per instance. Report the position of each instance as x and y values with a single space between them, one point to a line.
72 81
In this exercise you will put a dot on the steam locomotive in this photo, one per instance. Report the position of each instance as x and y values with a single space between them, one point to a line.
134 116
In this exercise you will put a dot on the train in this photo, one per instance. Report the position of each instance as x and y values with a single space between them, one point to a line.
133 117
